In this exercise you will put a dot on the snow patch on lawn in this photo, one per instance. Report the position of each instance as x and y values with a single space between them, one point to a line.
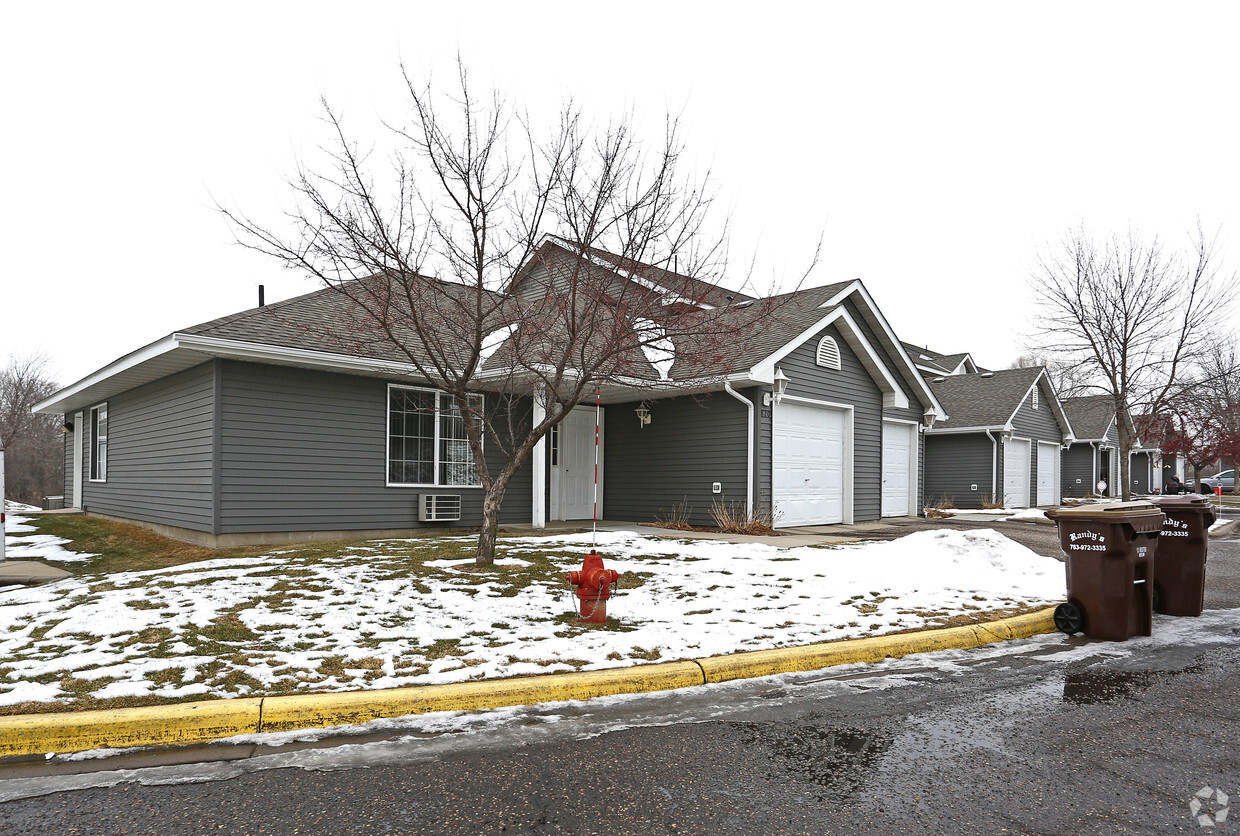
294 621
1028 514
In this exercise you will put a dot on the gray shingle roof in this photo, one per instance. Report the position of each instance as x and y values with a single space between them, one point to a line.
945 363
1090 415
976 400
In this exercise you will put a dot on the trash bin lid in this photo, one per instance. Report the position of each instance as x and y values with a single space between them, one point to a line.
1184 502
1141 515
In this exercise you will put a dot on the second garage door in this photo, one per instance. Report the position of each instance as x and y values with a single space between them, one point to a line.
1016 473
1048 473
807 468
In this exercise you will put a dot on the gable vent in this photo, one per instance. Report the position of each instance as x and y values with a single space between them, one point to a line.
439 507
987 374
828 353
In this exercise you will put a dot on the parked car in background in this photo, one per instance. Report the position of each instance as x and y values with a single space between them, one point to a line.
1225 480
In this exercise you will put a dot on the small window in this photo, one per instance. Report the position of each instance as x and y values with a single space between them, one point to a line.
99 443
828 353
1035 397
554 444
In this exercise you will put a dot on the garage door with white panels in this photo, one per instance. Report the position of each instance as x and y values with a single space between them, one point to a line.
808 467
1016 472
899 468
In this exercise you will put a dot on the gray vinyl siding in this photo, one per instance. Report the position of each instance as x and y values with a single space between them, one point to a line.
690 443
954 464
903 375
1078 464
763 457
304 450
159 453
1037 425
852 385
68 470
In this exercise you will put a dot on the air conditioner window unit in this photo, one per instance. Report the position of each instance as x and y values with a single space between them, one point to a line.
437 507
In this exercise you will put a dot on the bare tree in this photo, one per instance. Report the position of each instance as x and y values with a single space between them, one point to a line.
1069 380
535 264
1134 315
33 445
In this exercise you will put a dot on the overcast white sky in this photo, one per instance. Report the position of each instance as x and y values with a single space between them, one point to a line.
939 145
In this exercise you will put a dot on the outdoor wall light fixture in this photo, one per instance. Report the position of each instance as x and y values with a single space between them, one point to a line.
643 416
780 386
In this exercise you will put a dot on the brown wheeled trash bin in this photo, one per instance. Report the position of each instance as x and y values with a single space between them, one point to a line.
1110 550
1180 571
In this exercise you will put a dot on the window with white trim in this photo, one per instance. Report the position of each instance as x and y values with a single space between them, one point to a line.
828 353
1035 397
99 443
427 444
554 445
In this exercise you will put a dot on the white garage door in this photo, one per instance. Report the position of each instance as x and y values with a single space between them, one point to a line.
1048 473
897 468
807 469
1016 473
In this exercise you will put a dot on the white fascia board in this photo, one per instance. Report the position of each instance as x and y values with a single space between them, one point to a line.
856 286
262 352
142 355
955 430
893 395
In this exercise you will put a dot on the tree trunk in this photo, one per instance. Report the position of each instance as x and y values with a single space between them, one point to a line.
491 502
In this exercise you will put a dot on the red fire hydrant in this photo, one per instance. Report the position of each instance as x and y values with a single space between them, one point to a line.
593 584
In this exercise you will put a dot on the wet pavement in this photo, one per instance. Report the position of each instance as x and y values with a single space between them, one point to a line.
1046 735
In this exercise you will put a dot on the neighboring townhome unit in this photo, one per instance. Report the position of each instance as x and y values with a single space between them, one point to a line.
1001 443
1094 456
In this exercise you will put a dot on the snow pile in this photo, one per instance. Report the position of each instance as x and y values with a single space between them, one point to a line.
989 512
22 542
12 507
295 620
1029 515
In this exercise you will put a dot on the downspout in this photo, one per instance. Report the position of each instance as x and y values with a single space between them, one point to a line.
727 387
994 467
1093 462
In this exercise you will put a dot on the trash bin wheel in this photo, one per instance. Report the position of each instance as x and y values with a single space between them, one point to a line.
1069 618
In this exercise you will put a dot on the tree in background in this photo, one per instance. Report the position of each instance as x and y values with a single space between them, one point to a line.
1069 381
446 264
33 444
1134 316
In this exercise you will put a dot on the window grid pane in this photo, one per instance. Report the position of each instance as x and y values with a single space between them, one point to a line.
411 429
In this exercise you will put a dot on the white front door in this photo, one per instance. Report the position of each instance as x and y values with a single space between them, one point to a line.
807 468
1016 473
575 466
77 460
1048 473
898 468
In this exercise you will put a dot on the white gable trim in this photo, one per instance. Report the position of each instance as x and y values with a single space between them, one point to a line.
1061 416
893 395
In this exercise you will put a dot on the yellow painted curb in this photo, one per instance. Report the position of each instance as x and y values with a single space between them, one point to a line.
811 657
186 723
318 710
120 728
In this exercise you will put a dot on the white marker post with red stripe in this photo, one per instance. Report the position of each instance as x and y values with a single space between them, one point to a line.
1 504
598 408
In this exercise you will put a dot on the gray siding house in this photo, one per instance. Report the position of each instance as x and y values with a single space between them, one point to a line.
260 427
1001 442
1094 454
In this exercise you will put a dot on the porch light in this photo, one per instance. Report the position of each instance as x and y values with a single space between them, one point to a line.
781 386
643 416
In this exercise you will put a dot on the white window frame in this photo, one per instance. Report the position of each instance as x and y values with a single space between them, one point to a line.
387 432
1034 402
97 473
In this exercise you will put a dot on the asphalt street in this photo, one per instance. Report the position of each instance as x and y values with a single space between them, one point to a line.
1046 735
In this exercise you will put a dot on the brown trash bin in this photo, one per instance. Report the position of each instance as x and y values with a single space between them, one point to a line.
1180 571
1110 550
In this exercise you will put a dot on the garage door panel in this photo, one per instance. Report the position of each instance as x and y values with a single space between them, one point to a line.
808 464
1016 474
1048 473
897 469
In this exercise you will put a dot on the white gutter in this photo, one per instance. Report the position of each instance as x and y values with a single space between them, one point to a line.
994 467
727 387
